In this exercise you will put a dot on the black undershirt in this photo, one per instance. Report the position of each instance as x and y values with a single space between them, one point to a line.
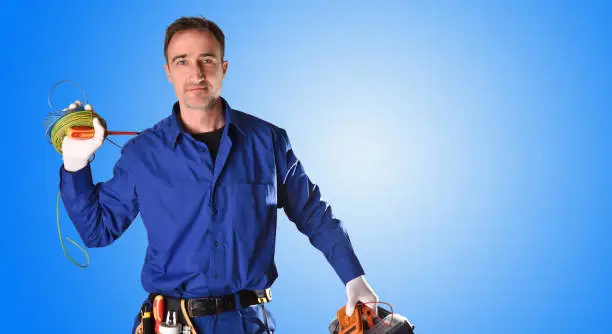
212 139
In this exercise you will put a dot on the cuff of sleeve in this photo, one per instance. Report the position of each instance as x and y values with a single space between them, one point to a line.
76 183
346 264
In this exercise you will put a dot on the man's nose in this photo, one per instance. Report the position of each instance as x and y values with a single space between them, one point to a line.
199 69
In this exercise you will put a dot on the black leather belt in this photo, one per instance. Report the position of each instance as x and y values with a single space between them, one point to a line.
205 306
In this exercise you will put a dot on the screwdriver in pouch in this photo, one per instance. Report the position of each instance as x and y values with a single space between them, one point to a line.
158 311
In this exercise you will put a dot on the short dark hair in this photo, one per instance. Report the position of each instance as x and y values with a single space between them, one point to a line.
192 22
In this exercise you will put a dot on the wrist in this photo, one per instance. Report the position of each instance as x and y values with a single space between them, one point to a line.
354 281
73 165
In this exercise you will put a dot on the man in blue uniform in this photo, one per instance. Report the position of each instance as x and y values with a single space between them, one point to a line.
207 182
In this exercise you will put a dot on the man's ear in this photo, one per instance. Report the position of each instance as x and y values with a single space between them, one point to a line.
225 65
167 69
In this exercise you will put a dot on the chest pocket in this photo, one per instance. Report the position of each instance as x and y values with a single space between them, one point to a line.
250 210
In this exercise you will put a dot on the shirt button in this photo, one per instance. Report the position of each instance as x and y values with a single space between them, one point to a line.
216 276
216 243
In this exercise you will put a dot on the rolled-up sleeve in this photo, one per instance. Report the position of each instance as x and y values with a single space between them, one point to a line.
301 200
100 212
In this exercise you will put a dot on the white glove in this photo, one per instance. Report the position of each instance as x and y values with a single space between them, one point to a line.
358 290
77 152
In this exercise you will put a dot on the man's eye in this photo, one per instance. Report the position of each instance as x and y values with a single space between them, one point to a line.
180 62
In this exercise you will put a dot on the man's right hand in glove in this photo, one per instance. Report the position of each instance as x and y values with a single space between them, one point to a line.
77 152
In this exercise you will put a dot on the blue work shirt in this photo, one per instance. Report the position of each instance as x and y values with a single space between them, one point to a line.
211 228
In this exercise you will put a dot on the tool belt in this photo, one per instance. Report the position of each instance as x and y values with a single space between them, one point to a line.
185 309
205 306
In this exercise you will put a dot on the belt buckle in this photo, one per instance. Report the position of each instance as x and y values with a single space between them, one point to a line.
217 304
210 309
190 307
266 298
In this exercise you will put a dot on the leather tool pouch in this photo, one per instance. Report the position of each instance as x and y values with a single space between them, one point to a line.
147 323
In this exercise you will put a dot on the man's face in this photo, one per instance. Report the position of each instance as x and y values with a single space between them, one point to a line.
195 68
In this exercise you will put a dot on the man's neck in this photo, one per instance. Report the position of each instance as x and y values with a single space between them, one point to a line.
199 121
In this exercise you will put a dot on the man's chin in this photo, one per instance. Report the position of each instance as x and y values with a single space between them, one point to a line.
201 104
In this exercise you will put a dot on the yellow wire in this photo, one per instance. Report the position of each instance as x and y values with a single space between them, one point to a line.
75 118
58 132
62 242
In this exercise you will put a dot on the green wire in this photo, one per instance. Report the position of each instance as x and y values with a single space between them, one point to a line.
58 132
62 242
75 118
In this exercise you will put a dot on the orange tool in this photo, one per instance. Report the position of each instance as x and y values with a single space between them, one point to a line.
158 311
368 314
86 132
80 132
354 324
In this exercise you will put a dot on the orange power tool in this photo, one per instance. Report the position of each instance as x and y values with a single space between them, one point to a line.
365 321
354 324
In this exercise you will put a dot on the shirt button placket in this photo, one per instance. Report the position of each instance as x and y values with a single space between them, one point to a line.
211 202
218 258
214 250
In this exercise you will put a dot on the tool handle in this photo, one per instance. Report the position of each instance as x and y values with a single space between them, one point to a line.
368 313
159 306
349 324
87 132
80 132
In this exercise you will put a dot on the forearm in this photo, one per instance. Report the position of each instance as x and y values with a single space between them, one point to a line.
83 203
302 202
328 235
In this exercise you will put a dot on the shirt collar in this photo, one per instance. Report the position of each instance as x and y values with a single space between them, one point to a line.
177 128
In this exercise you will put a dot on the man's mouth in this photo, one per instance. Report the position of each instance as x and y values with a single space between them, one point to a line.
196 89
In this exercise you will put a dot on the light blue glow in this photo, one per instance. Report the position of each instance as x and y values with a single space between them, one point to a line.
465 145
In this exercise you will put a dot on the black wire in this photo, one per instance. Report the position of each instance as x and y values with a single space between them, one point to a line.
112 142
263 308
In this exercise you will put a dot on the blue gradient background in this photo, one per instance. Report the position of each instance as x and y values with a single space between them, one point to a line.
465 146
